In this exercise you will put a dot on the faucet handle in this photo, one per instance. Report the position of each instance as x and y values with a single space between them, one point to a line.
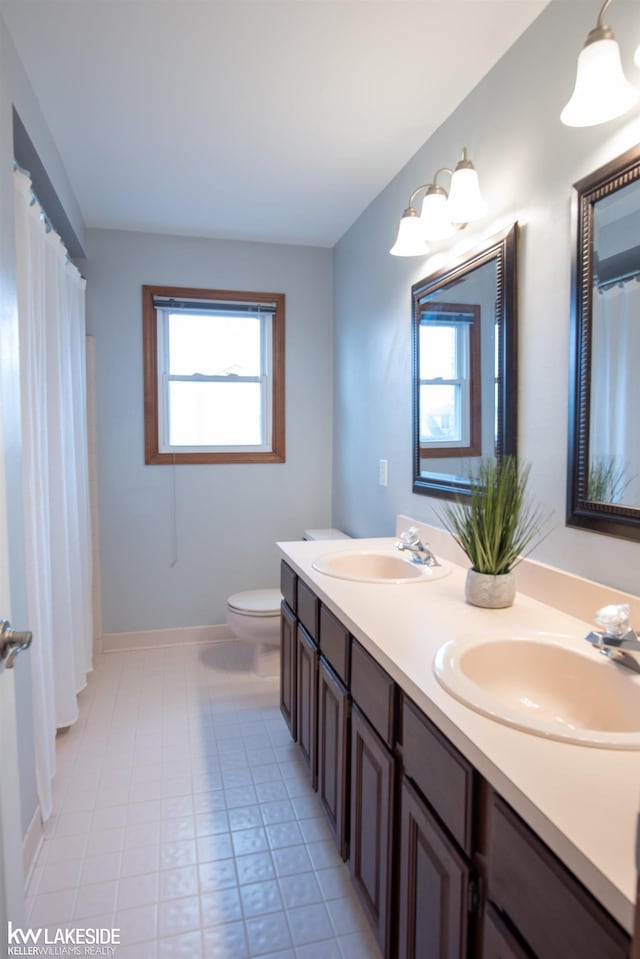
614 619
410 536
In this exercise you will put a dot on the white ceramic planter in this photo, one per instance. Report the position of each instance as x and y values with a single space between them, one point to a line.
492 592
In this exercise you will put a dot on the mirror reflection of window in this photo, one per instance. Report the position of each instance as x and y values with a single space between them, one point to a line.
464 369
449 382
445 387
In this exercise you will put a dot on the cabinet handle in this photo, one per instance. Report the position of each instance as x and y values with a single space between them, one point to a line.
474 895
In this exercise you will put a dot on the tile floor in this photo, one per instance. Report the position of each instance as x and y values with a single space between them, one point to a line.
184 818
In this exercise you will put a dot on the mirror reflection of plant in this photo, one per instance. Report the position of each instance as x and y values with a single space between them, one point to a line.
497 526
607 480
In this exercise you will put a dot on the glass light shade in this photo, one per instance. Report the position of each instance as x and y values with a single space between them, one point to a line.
410 240
465 202
602 92
436 223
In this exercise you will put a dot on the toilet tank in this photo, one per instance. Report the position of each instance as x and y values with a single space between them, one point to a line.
325 534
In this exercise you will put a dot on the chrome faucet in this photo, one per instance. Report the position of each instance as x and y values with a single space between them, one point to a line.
410 542
617 639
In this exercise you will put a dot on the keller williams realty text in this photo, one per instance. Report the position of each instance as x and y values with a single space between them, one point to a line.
61 942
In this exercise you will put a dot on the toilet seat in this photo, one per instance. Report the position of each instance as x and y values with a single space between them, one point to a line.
256 602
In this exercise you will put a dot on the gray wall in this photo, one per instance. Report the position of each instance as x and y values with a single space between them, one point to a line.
527 162
58 189
228 517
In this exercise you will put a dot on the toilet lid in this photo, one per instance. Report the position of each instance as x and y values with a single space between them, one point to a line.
256 602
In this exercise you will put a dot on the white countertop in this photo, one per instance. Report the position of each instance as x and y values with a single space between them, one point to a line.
582 801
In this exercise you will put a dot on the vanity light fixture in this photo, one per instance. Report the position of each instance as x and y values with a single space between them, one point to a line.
602 92
410 240
442 213
435 217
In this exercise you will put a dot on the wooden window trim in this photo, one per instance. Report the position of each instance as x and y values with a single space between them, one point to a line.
152 454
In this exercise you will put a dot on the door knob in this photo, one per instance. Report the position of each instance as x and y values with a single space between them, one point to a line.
12 642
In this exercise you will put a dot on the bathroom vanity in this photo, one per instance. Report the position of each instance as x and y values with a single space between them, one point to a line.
464 837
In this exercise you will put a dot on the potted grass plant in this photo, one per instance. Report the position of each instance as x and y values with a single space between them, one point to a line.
497 526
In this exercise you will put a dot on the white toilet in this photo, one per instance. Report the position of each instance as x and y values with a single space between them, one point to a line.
254 618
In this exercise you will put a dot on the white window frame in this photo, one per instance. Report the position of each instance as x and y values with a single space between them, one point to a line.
165 378
461 381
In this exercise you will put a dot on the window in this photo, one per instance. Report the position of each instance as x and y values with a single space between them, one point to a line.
449 396
213 376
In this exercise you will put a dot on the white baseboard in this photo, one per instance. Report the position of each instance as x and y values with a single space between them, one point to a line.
31 845
154 638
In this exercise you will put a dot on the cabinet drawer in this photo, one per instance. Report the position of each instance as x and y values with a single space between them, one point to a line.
288 585
443 776
374 692
335 644
308 609
527 882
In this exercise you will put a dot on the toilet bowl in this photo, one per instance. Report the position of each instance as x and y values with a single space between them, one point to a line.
254 618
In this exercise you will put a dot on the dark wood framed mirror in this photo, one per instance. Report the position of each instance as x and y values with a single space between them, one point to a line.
464 366
603 488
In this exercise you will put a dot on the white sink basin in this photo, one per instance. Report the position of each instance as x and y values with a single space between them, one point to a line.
372 567
545 687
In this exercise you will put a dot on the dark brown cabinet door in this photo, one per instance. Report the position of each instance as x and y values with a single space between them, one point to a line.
307 693
635 946
288 671
434 884
371 827
553 913
527 882
497 941
333 753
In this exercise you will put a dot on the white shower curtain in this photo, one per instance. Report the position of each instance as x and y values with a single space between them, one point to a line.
51 295
615 383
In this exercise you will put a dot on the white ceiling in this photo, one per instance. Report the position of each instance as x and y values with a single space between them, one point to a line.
273 120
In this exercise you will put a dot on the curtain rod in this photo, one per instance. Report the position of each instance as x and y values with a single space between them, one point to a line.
604 285
48 225
34 199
